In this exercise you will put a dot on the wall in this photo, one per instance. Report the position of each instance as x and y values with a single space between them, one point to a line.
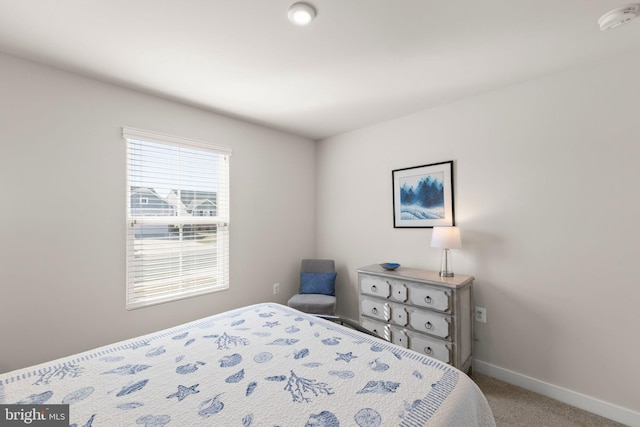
62 240
546 195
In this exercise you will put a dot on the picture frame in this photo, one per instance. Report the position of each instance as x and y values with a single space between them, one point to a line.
423 196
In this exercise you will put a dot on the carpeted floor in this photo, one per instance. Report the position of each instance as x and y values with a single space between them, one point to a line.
515 407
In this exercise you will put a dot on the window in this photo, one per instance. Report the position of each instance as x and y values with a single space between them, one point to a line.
177 218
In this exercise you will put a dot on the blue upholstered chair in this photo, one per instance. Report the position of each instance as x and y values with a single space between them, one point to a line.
317 287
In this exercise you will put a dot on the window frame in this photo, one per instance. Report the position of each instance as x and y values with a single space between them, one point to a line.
139 294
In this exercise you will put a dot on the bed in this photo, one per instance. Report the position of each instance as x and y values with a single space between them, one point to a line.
260 365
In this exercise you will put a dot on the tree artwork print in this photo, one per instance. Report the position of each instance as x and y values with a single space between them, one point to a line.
423 196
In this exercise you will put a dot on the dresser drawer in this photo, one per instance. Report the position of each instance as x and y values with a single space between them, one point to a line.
376 286
378 309
433 298
399 291
399 315
395 335
399 337
430 323
436 349
380 329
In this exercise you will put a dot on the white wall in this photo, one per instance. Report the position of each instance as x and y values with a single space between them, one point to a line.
546 188
62 239
547 198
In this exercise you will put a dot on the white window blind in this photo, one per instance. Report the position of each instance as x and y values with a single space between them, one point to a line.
177 217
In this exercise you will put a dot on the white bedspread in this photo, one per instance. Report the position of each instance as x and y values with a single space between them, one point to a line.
261 365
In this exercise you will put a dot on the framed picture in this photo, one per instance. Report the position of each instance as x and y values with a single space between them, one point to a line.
423 196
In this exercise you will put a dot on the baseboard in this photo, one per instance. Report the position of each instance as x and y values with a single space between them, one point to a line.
587 403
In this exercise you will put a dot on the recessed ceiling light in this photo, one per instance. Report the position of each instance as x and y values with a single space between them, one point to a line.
616 17
301 13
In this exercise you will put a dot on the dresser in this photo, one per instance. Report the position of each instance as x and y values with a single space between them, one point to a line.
419 310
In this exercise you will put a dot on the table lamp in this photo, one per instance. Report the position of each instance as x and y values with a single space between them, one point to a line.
446 238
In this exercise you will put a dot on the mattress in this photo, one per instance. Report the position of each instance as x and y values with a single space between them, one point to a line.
260 365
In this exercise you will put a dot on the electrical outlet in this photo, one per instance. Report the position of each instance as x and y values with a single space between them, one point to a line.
276 288
480 314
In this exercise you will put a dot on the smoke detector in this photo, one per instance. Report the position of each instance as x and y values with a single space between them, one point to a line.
616 17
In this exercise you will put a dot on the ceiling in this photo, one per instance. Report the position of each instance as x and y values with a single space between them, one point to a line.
360 62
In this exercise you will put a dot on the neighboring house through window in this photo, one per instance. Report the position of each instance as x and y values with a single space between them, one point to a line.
177 217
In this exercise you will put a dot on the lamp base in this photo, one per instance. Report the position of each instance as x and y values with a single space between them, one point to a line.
446 269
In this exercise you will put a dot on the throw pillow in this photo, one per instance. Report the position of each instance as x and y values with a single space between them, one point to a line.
318 283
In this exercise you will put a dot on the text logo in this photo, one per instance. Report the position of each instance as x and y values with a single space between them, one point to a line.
34 415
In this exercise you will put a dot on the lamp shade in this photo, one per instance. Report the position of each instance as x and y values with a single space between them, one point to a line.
446 237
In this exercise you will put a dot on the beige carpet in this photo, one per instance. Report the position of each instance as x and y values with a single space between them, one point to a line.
514 407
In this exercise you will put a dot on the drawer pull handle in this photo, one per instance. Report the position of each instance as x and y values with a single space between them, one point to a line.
428 325
428 350
374 288
374 310
428 299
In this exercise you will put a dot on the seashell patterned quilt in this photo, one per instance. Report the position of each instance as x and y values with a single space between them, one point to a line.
260 365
